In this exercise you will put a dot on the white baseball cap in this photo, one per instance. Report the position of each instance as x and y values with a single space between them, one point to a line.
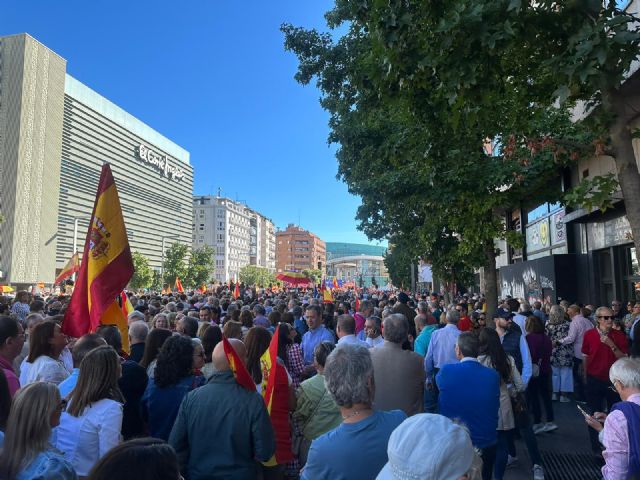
428 447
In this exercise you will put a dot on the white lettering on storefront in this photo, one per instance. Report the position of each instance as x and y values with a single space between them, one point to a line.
160 162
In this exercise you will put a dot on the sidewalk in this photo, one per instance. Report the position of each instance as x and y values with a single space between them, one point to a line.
566 452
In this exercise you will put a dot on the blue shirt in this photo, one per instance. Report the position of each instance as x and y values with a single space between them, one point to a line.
160 406
48 464
421 345
301 326
261 321
352 451
66 386
313 338
470 392
441 350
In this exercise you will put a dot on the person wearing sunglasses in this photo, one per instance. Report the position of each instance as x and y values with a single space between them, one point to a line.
601 347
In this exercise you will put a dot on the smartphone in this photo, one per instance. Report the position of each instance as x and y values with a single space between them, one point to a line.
582 411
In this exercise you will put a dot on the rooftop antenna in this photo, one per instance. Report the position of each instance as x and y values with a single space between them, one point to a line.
219 192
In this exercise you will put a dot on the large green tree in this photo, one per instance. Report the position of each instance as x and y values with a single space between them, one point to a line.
199 266
414 89
257 276
142 272
175 263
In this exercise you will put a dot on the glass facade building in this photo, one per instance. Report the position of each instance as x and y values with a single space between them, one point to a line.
359 263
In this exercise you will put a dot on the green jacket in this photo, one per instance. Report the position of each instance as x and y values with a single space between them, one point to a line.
316 412
221 430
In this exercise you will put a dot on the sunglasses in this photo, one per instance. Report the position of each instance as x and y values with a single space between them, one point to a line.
62 406
606 317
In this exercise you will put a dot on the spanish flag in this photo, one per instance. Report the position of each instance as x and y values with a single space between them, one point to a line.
238 368
275 391
236 291
72 266
125 304
179 285
335 282
106 265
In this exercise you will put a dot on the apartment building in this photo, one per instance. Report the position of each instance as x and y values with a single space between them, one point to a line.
298 249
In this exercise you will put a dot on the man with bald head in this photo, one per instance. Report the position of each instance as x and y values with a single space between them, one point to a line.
229 414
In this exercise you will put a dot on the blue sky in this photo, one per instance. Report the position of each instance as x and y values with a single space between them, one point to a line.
213 77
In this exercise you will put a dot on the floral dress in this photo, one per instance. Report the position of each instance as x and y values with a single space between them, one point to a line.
561 356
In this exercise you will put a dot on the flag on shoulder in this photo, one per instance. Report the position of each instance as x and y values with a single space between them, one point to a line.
106 266
240 372
275 391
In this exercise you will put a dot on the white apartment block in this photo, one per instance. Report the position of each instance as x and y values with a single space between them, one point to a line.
239 235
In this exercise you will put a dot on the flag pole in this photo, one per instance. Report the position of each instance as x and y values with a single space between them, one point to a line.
75 244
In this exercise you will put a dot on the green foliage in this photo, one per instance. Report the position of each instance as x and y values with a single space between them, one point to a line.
593 193
199 267
414 89
398 263
314 274
175 263
258 276
142 272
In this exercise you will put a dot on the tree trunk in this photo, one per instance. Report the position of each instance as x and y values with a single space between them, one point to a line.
490 278
626 165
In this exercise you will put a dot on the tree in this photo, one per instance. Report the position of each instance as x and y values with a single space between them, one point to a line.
313 274
175 263
258 276
414 89
199 266
142 273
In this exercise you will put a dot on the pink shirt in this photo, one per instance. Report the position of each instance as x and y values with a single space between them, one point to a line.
12 378
615 439
579 325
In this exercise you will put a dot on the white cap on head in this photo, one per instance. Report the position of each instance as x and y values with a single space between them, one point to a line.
428 446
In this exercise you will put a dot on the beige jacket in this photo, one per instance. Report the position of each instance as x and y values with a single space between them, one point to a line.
399 379
505 413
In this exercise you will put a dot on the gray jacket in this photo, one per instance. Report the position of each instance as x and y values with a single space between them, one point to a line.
221 430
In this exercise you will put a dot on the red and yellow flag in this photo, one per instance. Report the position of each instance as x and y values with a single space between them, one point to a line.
236 291
275 391
179 285
335 282
72 266
238 368
106 265
357 304
125 304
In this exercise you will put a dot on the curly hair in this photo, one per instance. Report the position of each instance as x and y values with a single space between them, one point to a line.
174 361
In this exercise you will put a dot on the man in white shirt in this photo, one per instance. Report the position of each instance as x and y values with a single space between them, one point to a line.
577 328
346 331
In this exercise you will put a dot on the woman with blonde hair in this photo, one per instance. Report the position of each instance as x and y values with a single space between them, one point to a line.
27 453
161 321
91 425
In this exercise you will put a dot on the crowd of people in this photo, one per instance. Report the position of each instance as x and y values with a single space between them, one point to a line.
364 386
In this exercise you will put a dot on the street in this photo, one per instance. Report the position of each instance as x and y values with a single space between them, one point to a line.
565 451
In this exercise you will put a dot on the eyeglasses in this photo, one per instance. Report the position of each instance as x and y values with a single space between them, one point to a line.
606 317
62 406
199 354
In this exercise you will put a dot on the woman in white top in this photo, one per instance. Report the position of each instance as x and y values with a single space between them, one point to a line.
91 425
45 345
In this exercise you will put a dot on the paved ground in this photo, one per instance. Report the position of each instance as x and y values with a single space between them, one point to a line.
566 451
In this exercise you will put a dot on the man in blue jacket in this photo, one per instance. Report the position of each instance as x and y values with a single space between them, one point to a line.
222 428
470 393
